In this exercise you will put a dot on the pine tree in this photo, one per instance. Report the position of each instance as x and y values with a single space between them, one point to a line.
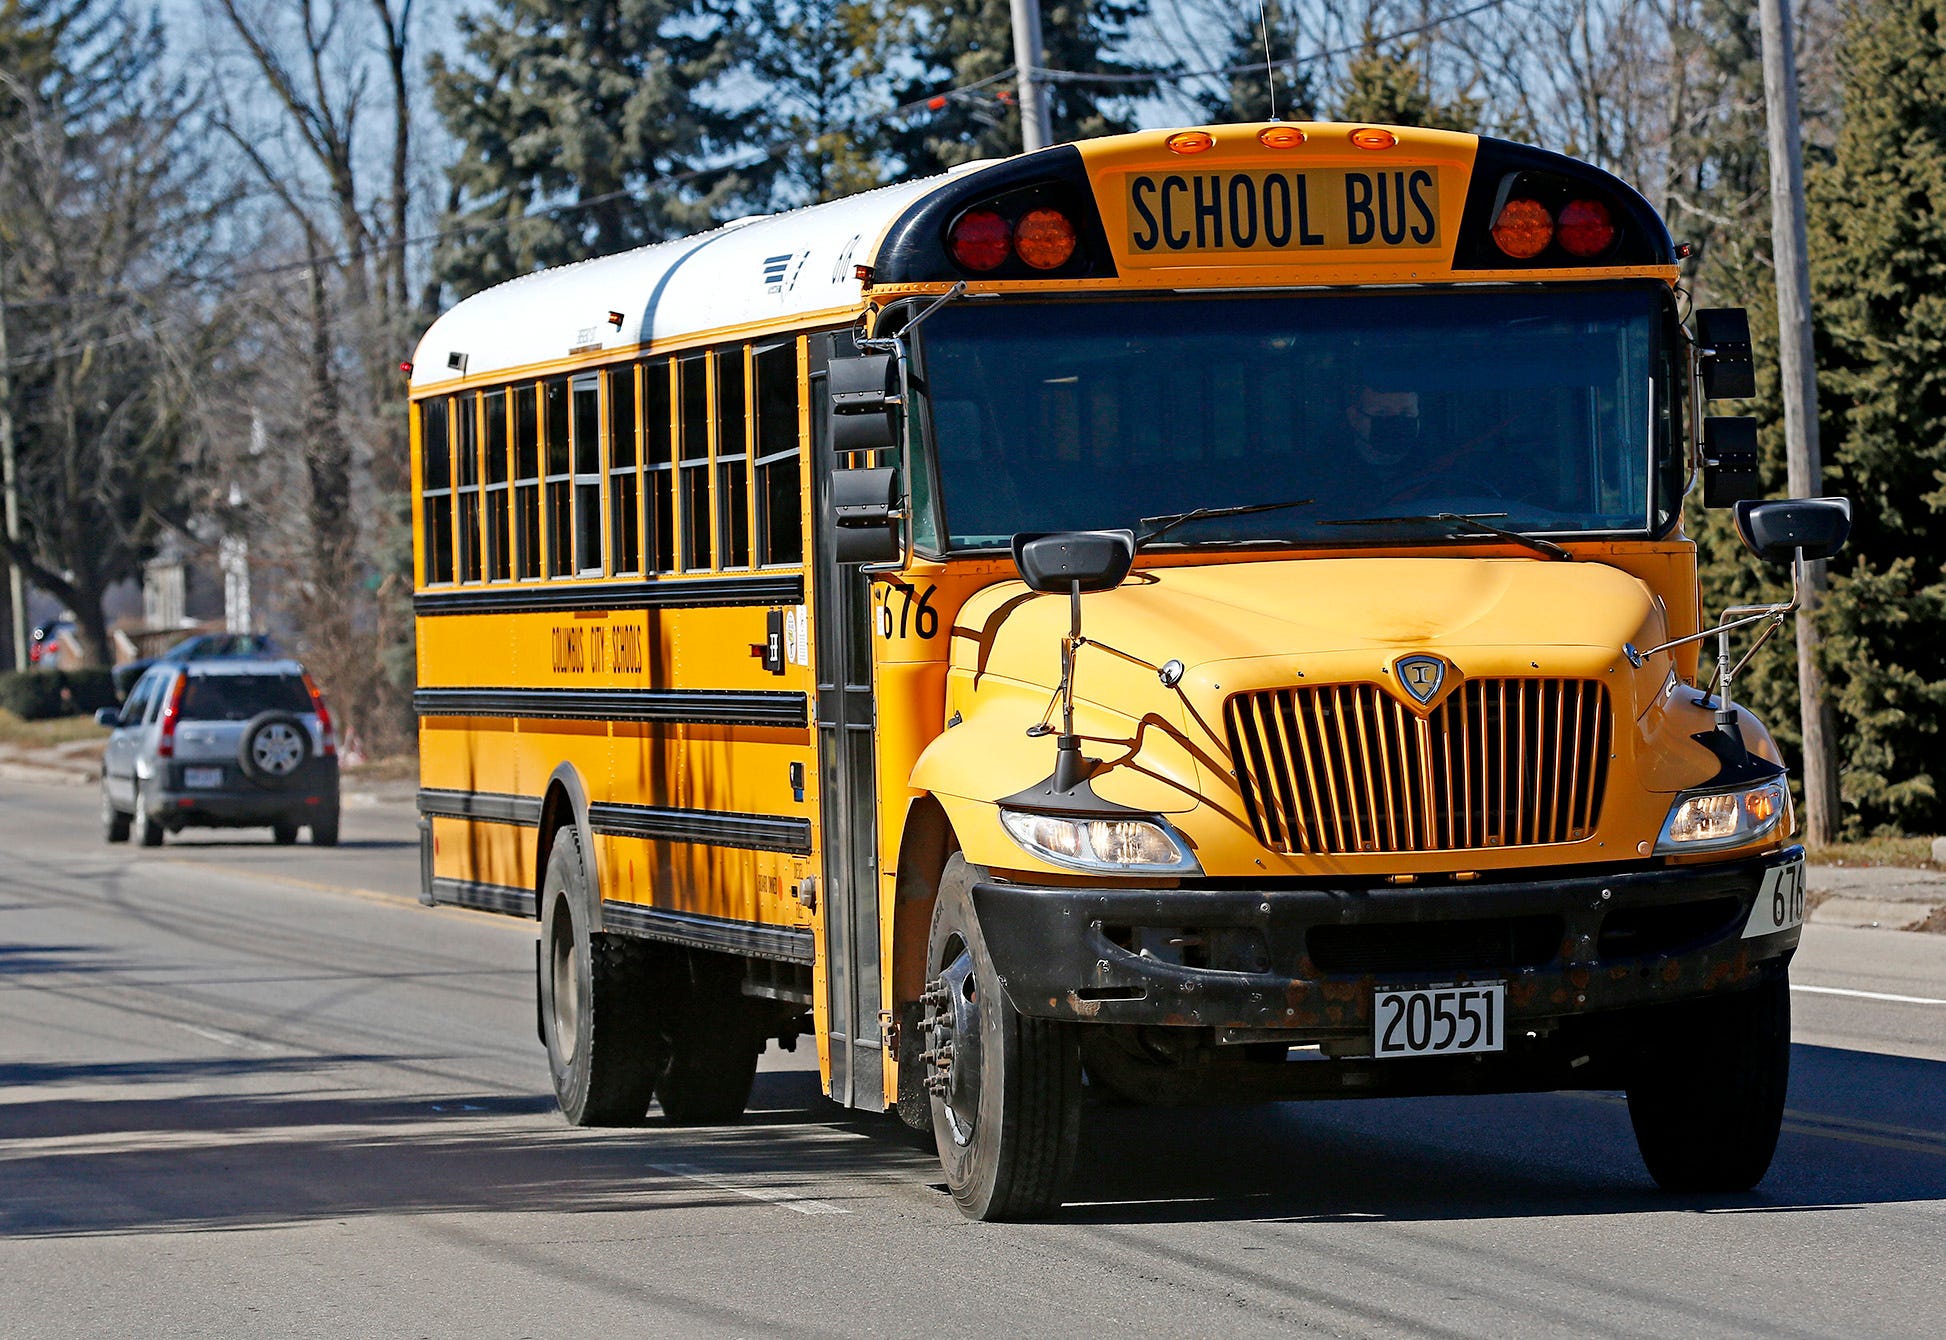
1248 92
821 66
1391 87
959 45
580 131
1878 258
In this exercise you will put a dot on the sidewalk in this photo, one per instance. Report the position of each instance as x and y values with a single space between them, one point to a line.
1886 897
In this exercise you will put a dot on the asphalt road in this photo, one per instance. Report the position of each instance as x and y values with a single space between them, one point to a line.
248 1090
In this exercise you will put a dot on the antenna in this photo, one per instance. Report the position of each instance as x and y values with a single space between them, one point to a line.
1270 70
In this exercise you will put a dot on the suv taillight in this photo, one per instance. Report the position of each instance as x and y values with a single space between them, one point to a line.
330 740
166 746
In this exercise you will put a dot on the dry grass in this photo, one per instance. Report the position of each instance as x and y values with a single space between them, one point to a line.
1913 852
41 734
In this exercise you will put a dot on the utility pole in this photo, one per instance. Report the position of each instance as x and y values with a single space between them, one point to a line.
1796 362
16 587
1036 123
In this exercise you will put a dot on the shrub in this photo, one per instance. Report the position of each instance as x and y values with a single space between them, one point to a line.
36 695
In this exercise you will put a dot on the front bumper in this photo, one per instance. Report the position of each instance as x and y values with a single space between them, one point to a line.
1306 961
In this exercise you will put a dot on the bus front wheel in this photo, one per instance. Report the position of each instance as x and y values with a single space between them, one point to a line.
1005 1089
597 1002
1707 1095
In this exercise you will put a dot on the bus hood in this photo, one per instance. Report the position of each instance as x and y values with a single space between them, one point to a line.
1280 624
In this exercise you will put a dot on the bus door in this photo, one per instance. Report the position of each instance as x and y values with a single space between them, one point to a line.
847 787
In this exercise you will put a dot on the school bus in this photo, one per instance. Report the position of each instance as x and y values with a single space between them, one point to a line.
1184 616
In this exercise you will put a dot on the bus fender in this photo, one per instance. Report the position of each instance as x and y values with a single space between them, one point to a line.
566 801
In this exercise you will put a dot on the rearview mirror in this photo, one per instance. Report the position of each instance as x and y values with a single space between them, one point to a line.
1730 461
108 716
864 394
1723 336
1098 560
1776 531
865 515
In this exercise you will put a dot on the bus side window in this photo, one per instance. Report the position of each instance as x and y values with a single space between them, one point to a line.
624 485
559 479
780 514
659 458
693 468
586 390
732 458
498 550
436 489
527 482
466 462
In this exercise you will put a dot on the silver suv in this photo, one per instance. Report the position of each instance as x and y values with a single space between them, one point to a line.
220 744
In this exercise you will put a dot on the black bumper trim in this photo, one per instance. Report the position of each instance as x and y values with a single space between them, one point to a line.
489 807
786 944
782 588
697 707
480 897
709 828
1050 949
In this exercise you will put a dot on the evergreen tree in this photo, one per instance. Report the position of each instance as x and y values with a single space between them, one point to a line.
1248 94
1878 254
590 105
821 65
1391 88
956 45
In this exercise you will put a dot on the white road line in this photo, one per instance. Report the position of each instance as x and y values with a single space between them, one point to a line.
236 1040
1867 995
790 1200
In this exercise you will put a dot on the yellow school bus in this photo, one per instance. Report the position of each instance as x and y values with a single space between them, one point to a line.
1186 616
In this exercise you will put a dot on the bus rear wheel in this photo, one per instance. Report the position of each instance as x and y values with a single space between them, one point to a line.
1707 1094
1005 1089
715 1042
598 1002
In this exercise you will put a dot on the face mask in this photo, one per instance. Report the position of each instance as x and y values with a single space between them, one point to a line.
1394 435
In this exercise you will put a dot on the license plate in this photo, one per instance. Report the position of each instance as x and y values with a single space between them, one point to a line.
1780 901
202 777
1440 1020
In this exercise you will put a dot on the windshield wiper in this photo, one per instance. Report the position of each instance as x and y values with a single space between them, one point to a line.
1477 520
1168 521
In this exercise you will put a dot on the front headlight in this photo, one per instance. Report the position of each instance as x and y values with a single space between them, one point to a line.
1707 821
1143 845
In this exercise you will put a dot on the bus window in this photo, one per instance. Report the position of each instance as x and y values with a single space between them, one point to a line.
559 478
732 459
499 554
436 489
624 515
780 524
527 482
694 466
587 475
466 418
658 426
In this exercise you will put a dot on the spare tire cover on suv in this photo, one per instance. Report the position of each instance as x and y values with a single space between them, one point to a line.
275 748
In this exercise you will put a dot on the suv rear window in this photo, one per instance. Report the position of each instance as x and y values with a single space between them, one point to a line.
240 697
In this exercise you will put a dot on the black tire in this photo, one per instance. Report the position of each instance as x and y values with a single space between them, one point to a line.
275 748
283 833
114 824
1007 1124
1706 1095
597 1001
146 827
715 1042
324 832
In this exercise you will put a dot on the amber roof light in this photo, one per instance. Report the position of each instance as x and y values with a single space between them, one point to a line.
1372 137
1190 141
1280 137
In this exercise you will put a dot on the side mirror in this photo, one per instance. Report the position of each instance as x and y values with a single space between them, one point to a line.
865 515
1729 461
1098 560
1776 531
864 395
1723 336
108 716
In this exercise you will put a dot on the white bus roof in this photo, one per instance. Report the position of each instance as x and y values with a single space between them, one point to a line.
756 270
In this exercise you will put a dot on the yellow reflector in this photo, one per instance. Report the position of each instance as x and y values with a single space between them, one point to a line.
1189 141
1371 137
1044 238
1280 137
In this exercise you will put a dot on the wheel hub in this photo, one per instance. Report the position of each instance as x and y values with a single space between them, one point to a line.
951 1025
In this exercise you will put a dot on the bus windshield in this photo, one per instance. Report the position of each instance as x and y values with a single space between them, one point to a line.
1545 412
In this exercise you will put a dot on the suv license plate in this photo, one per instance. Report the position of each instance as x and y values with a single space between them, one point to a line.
1440 1020
204 778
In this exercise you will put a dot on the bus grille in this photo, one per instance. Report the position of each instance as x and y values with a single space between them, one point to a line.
1346 768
